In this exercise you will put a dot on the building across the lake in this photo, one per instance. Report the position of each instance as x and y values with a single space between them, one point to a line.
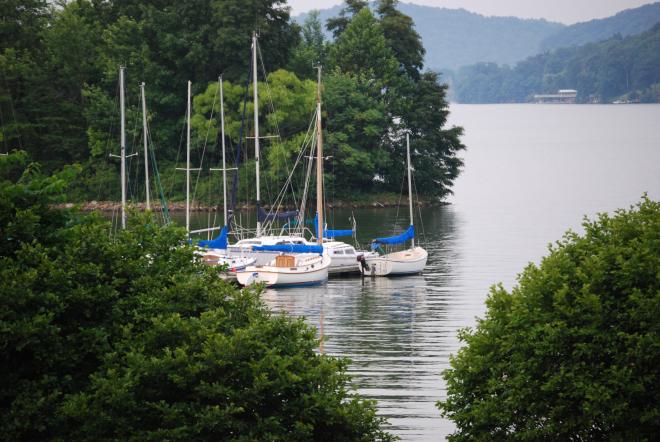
563 96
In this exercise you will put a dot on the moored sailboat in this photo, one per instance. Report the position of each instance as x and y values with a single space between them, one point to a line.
213 252
303 264
404 262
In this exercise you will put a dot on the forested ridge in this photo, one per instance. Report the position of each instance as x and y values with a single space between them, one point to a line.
59 92
626 68
455 37
627 22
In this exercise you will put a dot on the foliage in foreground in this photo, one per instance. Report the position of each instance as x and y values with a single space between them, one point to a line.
573 352
127 337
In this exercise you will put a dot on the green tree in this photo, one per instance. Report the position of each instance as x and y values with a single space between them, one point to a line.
286 105
355 124
362 48
312 49
573 351
435 147
403 39
129 337
337 25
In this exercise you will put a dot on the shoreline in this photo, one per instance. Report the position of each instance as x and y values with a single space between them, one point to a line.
180 206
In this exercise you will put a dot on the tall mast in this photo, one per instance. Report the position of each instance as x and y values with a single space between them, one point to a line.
224 164
256 122
319 162
146 155
123 147
188 163
410 203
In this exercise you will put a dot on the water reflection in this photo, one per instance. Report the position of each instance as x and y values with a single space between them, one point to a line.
531 173
397 331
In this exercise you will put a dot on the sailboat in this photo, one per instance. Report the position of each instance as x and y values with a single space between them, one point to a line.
266 247
297 264
404 262
212 252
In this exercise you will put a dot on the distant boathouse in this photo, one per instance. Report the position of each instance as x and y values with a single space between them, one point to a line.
563 96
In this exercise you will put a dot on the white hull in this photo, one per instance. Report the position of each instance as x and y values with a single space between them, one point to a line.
219 257
343 257
309 270
406 262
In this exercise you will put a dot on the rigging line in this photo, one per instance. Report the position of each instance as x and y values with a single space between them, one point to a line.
398 205
107 151
134 185
419 209
277 125
290 176
280 198
208 130
178 155
312 151
237 157
282 193
163 201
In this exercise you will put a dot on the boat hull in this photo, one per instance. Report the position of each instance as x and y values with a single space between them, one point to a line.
340 263
313 273
406 262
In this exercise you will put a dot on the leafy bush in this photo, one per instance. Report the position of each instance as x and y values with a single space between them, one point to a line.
126 336
573 352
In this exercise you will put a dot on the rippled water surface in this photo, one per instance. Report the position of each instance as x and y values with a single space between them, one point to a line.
531 173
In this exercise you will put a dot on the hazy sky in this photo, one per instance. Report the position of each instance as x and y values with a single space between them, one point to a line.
565 11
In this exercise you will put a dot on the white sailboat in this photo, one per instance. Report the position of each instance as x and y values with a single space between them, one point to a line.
404 262
309 266
213 252
344 258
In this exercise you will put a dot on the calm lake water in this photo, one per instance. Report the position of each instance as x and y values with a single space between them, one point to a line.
531 173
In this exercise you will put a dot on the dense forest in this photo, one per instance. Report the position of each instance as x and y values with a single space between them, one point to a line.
628 22
626 68
59 92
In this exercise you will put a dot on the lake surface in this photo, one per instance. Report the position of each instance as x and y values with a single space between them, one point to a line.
531 173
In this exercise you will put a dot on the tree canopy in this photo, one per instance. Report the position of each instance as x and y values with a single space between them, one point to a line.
573 351
129 337
59 94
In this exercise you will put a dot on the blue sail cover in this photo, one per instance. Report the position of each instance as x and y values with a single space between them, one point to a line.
262 215
289 248
329 233
399 239
220 242
335 233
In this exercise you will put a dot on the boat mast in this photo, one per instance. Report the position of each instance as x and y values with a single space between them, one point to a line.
410 203
319 162
188 163
146 155
224 164
123 147
256 123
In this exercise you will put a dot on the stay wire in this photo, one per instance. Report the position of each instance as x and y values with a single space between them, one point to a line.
277 126
208 131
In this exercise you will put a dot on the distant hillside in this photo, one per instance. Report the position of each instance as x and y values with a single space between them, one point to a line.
456 37
628 22
627 68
